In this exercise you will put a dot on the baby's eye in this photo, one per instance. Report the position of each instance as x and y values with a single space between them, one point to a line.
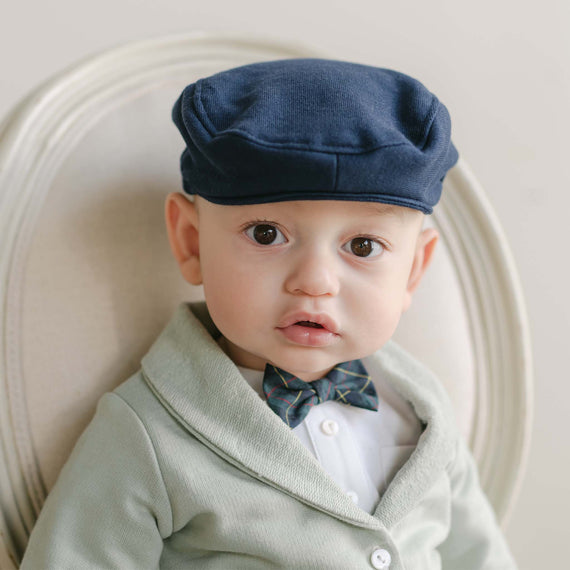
363 247
265 234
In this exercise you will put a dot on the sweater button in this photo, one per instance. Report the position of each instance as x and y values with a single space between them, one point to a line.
381 559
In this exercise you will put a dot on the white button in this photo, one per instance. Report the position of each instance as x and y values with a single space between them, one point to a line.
381 559
353 496
329 427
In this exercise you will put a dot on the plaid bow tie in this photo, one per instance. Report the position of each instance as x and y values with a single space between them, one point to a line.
291 398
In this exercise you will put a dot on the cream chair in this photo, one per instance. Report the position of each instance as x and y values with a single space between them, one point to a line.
87 280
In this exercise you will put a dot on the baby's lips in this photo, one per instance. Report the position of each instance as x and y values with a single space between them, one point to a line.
302 317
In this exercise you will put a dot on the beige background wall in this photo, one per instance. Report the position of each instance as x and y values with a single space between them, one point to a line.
503 69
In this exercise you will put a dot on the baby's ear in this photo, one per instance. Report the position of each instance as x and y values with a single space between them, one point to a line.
425 246
183 235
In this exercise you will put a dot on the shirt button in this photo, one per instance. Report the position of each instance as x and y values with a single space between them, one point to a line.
353 496
380 559
329 427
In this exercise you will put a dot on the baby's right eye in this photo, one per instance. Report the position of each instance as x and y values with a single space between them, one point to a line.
265 234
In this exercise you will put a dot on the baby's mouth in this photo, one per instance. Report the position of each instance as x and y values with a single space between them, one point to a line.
305 322
309 329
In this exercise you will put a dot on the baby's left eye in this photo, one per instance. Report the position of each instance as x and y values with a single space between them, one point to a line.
363 247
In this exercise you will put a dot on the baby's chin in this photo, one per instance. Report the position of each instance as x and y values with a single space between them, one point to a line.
309 371
306 363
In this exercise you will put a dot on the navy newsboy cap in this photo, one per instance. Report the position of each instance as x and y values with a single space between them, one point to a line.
313 129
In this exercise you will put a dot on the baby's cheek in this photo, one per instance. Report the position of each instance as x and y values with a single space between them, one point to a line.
382 318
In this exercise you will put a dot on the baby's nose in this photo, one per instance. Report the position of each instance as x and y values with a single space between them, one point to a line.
315 275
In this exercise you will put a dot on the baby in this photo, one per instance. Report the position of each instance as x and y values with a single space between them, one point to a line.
276 425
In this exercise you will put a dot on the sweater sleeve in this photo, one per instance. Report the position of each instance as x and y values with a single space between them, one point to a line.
475 541
109 507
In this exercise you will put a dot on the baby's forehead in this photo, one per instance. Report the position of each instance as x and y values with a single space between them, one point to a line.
339 207
335 210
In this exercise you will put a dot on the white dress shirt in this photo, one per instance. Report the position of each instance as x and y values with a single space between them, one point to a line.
360 449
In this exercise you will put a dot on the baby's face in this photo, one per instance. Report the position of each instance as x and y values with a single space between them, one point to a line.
305 285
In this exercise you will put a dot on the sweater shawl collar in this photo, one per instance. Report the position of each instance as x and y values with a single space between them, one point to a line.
203 389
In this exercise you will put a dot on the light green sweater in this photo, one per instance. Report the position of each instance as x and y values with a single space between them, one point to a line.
184 466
